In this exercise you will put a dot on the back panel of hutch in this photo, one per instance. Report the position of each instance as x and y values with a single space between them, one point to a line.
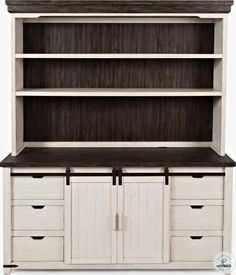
118 136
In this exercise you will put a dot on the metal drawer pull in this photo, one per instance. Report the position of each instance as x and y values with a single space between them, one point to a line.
196 206
37 237
196 237
38 206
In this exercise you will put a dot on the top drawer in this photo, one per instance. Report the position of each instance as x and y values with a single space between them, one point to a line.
31 188
206 187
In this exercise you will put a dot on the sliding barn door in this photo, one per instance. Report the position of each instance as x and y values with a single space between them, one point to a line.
93 220
141 220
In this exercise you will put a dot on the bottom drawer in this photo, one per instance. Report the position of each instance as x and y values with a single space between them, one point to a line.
195 249
37 249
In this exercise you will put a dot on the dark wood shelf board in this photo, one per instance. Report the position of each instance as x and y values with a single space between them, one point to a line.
137 6
117 157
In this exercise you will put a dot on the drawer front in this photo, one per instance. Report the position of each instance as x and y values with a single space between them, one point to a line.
47 249
37 217
207 187
190 249
37 188
197 218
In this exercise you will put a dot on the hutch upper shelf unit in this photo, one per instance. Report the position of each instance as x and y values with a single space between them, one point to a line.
118 136
119 80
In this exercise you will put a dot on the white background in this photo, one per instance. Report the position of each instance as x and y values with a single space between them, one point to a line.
5 125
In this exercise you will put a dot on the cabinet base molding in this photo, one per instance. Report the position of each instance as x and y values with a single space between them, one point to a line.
173 265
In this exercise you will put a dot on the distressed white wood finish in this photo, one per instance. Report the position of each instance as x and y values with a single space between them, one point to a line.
118 56
166 222
219 106
7 218
173 265
92 212
26 249
206 233
197 202
117 92
67 220
39 170
197 170
203 250
51 233
142 220
17 83
118 19
177 16
29 218
187 187
37 188
6 271
228 191
37 202
206 218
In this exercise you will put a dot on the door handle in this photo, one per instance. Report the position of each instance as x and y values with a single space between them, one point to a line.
115 222
120 222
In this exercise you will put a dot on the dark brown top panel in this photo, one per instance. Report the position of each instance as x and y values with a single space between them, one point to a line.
118 157
137 6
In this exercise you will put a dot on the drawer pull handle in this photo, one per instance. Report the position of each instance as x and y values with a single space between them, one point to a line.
196 206
37 237
196 237
37 176
198 176
38 206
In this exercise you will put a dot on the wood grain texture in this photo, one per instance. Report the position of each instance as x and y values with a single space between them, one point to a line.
92 212
117 119
142 222
206 188
118 157
118 38
122 73
159 6
184 249
209 218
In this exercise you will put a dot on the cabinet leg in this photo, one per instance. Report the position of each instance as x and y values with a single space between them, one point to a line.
6 271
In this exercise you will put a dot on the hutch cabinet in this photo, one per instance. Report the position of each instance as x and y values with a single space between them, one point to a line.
118 136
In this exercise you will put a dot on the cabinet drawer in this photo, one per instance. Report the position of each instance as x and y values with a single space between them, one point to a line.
188 187
37 188
195 249
37 217
37 249
197 217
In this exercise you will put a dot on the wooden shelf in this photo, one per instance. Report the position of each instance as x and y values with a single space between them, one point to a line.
118 56
117 157
118 92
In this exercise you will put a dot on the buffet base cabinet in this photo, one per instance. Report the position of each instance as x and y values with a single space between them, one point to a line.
125 218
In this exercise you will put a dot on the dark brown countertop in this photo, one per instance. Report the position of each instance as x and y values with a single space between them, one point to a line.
132 6
117 157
